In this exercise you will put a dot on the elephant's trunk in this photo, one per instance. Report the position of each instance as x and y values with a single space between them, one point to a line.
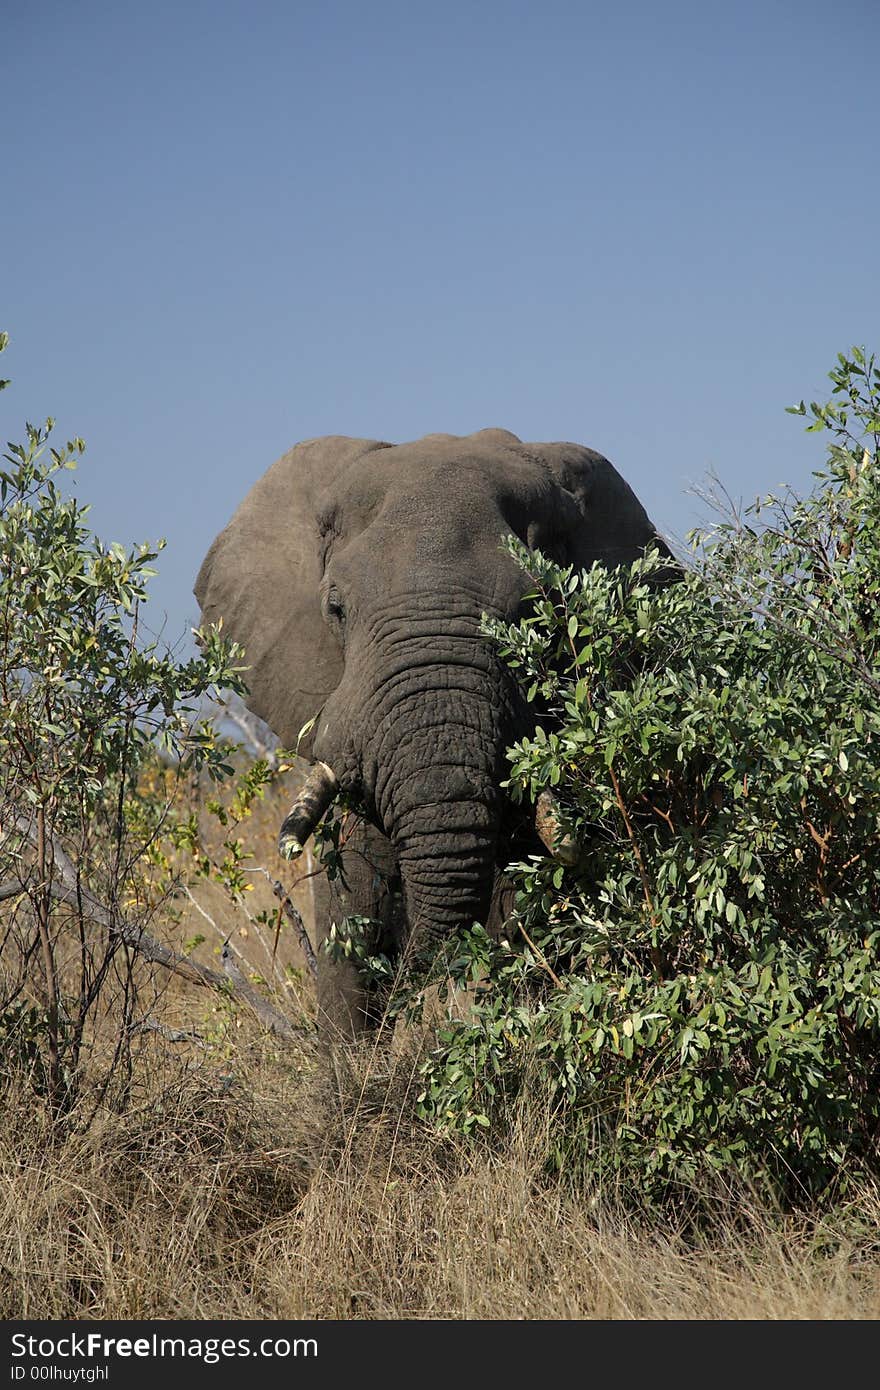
447 882
442 815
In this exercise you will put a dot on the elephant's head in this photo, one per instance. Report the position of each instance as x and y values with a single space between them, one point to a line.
355 575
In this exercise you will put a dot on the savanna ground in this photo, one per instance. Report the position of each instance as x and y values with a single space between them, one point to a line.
246 1178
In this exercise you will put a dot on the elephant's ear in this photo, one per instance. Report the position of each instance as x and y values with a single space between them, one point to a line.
261 577
609 522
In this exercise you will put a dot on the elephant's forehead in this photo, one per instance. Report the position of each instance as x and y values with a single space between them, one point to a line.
459 470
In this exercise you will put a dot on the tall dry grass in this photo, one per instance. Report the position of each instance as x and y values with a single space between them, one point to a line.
271 1186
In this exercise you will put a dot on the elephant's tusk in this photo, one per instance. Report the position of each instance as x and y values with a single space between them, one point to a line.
317 792
562 847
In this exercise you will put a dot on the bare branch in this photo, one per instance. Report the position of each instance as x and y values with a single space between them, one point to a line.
175 1035
297 923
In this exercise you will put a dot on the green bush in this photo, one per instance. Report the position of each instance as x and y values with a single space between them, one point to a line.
85 698
700 992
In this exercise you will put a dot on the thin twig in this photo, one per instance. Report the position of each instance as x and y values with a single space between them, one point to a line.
211 923
542 959
296 922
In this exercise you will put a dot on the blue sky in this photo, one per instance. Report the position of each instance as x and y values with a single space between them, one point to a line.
647 227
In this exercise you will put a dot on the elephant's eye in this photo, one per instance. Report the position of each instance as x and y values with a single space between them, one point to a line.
334 608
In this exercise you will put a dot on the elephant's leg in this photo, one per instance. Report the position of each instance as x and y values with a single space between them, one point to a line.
338 985
368 886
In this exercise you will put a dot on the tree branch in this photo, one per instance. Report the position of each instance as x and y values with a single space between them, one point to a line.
297 923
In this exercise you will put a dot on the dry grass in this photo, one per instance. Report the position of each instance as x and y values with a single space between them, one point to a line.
270 1187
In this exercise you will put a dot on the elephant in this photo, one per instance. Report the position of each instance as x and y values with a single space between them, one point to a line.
356 574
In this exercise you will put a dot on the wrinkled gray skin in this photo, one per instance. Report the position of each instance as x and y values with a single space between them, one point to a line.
355 574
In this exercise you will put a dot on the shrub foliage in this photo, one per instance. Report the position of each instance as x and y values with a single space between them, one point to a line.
700 992
85 699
